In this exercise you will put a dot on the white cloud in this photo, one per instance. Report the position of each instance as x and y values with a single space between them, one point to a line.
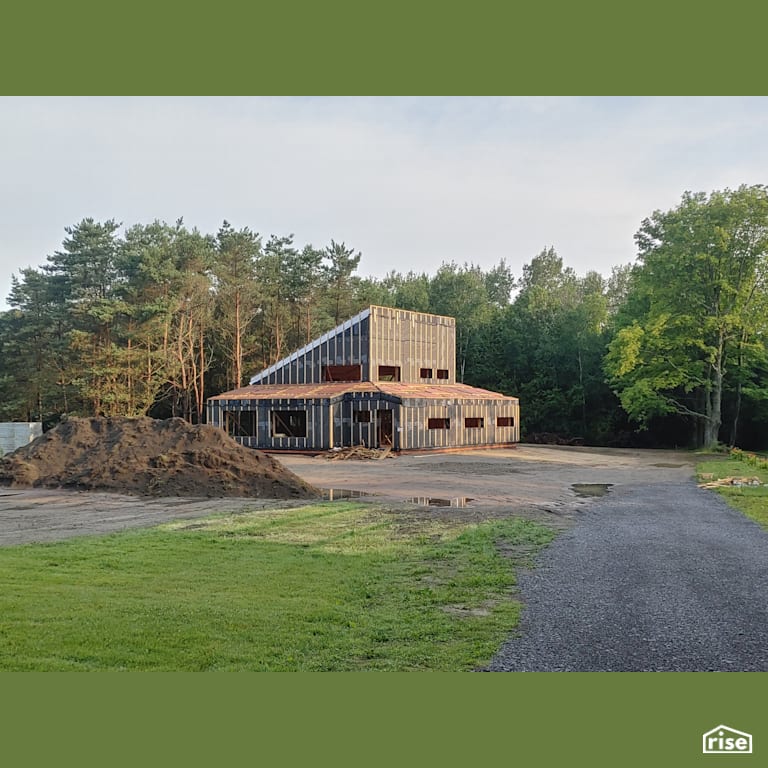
410 182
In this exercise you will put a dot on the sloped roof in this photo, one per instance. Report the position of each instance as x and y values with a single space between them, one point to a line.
358 318
407 391
312 345
329 390
296 391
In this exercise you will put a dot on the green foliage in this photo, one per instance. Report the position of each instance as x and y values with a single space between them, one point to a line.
750 500
326 587
549 346
751 459
694 321
238 295
157 319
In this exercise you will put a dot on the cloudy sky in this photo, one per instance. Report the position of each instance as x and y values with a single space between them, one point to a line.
409 182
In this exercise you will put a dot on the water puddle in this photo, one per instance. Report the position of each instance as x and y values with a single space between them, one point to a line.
334 494
431 501
591 490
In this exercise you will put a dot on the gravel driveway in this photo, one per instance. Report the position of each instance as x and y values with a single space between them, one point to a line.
653 577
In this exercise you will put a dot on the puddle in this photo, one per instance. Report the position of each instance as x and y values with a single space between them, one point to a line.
668 466
591 490
431 501
334 494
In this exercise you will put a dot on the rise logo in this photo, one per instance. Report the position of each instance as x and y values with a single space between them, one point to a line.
727 741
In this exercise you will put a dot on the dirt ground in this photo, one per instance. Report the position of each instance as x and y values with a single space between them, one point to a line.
547 483
148 457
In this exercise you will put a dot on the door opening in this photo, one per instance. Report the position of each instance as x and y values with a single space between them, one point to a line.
384 431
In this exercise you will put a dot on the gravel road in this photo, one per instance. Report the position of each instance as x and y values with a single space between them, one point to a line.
652 577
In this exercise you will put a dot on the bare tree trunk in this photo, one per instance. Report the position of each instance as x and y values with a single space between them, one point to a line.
739 363
583 394
200 393
715 398
238 343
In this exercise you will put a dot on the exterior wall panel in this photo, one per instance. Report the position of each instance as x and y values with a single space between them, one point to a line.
417 413
345 345
378 336
412 341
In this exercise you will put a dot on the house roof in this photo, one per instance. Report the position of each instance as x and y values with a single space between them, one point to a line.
296 391
312 344
330 390
438 391
359 317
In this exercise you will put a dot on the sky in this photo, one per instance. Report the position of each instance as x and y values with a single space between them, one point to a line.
410 182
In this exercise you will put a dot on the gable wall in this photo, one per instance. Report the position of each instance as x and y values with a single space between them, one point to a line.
346 345
412 341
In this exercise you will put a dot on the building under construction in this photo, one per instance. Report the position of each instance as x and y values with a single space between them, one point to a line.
384 378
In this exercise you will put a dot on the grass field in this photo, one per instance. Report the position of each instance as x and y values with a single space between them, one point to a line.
752 501
331 586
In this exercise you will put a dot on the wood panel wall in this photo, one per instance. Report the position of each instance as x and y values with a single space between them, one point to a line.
332 423
412 341
416 434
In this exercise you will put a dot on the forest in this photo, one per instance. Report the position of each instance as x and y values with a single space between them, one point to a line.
671 350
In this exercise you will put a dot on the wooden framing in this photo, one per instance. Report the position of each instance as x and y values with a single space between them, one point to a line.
391 351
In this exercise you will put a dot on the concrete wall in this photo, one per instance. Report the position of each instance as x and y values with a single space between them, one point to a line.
14 434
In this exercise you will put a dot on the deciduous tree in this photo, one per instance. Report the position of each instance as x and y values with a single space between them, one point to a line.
696 305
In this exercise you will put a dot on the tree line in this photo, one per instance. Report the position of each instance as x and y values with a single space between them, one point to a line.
671 350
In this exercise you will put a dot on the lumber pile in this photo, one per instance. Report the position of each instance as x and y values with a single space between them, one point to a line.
551 438
729 481
358 452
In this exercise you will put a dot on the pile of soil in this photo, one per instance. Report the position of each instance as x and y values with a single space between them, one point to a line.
149 457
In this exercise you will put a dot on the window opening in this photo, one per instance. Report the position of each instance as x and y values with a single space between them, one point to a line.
389 373
241 423
343 373
289 423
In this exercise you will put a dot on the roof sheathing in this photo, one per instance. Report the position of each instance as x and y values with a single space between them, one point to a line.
331 390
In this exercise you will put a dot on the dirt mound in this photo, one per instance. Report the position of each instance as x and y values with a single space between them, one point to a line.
149 457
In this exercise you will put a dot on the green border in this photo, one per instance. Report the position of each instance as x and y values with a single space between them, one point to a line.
545 719
399 47
394 48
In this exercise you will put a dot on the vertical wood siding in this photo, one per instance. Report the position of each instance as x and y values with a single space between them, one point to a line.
412 341
416 434
332 423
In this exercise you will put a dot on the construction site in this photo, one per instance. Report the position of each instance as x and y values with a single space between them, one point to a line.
385 378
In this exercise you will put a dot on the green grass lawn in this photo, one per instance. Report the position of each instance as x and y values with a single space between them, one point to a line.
752 501
330 586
